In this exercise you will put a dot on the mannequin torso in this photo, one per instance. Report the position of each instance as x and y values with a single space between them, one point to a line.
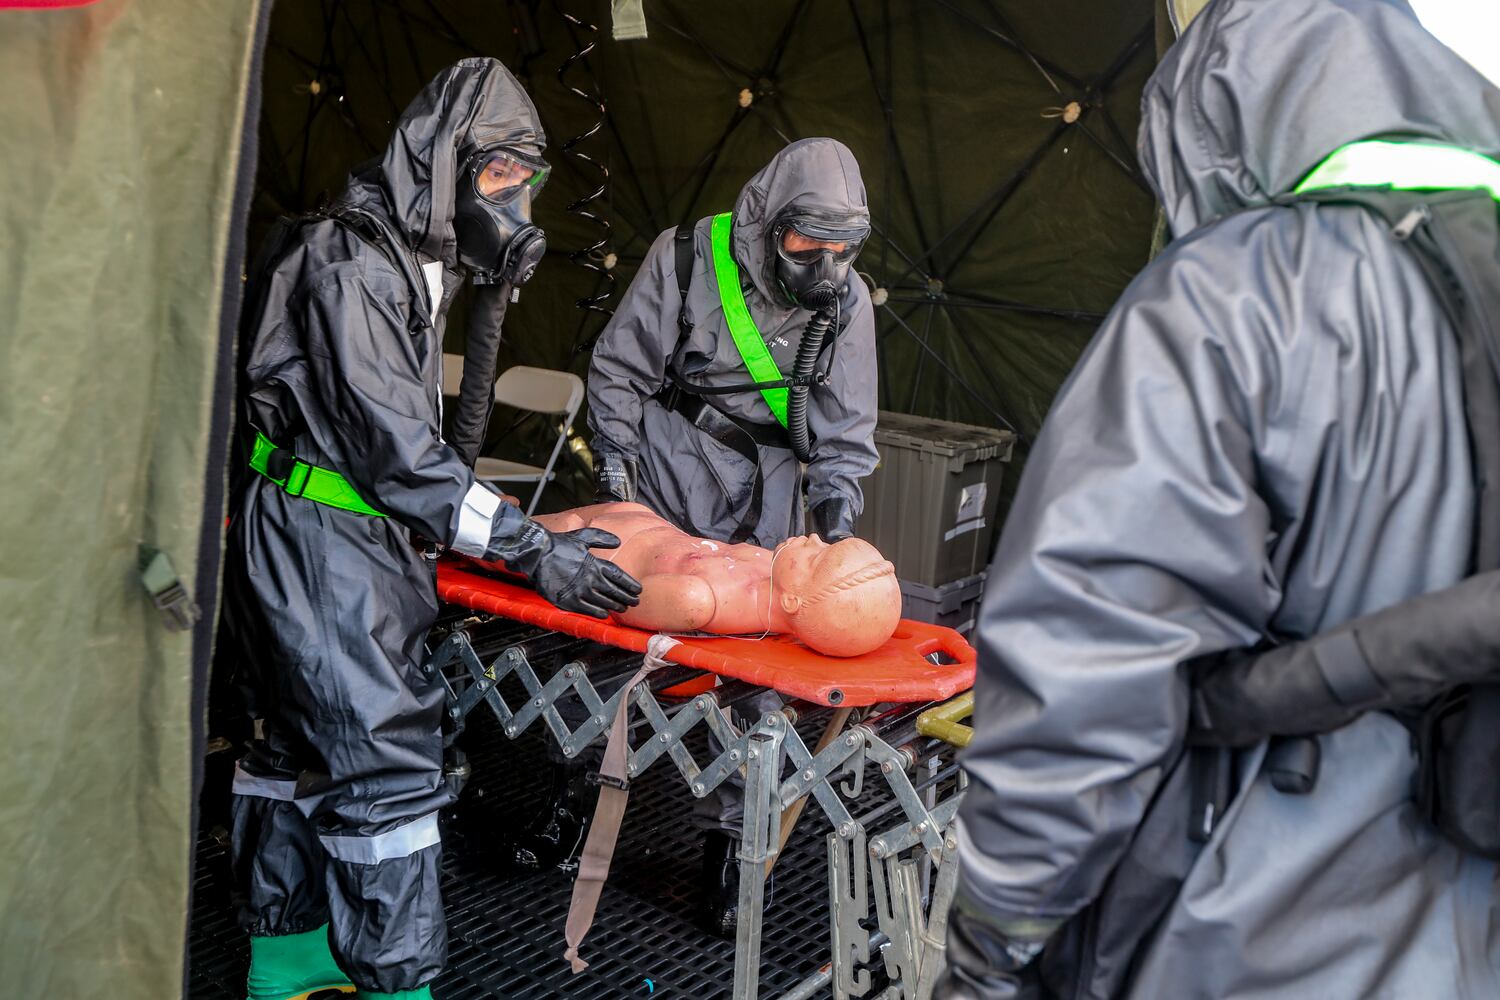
693 584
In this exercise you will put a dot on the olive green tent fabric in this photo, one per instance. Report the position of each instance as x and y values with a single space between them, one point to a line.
120 127
1013 123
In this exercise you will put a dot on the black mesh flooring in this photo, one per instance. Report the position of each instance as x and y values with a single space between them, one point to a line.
506 928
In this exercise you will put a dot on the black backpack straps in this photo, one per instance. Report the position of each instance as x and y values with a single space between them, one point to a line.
1454 236
1461 245
682 246
1457 240
388 244
1430 659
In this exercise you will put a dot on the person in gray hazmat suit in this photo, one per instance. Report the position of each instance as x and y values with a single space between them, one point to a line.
1266 439
742 353
335 825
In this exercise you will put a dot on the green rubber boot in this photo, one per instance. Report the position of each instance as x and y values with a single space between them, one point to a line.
420 993
293 967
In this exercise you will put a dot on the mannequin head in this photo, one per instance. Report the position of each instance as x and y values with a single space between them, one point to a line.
841 599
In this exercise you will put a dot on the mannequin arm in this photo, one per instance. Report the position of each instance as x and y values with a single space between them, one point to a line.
671 602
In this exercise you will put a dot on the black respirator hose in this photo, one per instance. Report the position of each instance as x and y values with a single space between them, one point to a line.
476 394
807 360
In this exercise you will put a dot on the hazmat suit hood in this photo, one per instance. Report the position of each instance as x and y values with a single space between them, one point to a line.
815 177
1258 92
474 103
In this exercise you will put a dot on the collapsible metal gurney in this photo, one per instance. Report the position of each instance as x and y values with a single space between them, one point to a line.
556 655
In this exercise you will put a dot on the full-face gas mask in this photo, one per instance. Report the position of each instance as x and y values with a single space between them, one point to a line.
813 256
497 241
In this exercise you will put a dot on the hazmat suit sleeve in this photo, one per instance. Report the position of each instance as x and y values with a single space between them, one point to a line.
381 424
631 355
1137 541
842 415
1401 657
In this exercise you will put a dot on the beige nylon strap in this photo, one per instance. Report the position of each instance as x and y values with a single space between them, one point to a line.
599 849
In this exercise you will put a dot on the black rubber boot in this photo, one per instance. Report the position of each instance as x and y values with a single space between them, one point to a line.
554 837
719 885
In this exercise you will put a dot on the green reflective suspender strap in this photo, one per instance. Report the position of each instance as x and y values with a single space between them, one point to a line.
310 482
747 339
1404 166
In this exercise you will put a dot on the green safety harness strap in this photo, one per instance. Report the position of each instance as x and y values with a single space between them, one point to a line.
322 486
1404 166
747 339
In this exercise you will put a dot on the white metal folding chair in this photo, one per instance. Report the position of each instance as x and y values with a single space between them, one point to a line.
539 390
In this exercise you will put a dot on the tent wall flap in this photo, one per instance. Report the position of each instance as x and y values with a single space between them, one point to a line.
120 144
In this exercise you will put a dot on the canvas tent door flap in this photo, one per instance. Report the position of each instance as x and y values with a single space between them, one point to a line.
124 157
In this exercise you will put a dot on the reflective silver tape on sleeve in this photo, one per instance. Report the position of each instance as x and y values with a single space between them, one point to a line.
245 783
402 842
474 521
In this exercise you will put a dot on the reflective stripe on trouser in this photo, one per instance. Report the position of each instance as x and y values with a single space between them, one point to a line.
404 840
329 611
401 842
280 789
279 866
378 892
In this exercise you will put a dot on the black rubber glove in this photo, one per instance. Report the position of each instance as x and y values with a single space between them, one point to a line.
574 580
559 565
984 964
833 519
614 478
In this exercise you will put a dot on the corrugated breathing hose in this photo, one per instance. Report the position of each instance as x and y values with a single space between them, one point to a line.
802 376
